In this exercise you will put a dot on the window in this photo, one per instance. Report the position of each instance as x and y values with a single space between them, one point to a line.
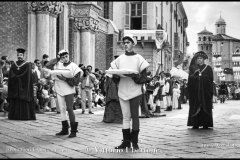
136 16
204 38
199 39
166 2
209 39
202 47
136 9
206 47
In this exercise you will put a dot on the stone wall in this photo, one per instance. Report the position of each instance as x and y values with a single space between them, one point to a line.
13 28
101 48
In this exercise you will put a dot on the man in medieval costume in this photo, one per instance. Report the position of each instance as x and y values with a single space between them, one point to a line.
65 89
200 88
20 89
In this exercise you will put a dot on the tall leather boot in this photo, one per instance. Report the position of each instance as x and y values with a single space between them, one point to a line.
64 130
167 109
74 130
126 142
157 110
149 107
134 138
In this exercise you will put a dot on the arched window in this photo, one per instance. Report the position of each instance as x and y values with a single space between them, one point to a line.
209 38
204 38
199 39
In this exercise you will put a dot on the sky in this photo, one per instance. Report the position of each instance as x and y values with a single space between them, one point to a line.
205 14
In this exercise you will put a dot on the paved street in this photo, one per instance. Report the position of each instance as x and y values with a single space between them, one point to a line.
162 137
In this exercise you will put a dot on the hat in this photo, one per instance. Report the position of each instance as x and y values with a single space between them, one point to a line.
20 50
201 54
62 52
116 56
131 38
162 72
167 74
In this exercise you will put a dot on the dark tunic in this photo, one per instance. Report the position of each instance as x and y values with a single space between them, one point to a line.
200 90
113 111
20 92
223 89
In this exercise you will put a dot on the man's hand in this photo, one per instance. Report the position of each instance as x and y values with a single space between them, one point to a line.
61 77
132 75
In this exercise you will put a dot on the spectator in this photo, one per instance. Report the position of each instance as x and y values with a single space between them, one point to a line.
223 92
168 91
46 97
6 69
87 83
176 95
44 58
112 112
38 68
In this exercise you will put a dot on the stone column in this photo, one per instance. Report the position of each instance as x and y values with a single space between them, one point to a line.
76 49
46 13
31 50
88 26
86 48
42 34
63 29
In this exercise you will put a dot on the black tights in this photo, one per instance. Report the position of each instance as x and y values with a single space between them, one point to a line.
69 103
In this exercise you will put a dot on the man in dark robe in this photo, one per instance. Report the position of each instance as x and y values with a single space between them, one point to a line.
200 88
20 89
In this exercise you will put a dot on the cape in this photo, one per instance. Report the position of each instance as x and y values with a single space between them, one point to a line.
200 89
20 82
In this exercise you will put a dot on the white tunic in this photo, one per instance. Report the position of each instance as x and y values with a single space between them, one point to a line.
127 88
62 87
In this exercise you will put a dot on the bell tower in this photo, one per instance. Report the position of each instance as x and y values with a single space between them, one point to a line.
220 26
205 44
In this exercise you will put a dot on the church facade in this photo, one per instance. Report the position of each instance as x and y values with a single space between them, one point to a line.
223 52
84 28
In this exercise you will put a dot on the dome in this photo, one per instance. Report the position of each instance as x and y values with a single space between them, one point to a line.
205 31
220 21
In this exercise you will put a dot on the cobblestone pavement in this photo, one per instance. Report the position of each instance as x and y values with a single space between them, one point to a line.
160 137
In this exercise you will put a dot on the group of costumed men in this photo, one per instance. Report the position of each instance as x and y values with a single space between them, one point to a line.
67 75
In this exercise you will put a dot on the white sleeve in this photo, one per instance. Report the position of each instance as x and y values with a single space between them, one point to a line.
143 64
115 64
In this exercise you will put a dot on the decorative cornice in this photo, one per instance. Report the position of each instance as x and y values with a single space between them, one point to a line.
54 8
86 23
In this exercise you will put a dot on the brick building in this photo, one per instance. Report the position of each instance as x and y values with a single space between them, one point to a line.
223 52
